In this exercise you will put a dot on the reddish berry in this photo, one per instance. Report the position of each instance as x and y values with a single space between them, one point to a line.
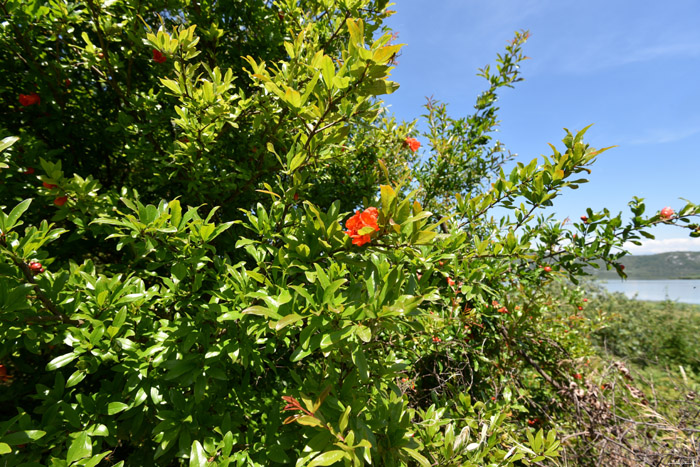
296 196
584 219
50 186
547 269
622 267
578 376
580 307
667 213
68 82
60 201
450 282
35 267
29 171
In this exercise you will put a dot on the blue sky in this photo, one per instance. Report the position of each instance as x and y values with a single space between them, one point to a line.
632 68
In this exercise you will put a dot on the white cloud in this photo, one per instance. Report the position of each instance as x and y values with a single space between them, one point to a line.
649 247
662 136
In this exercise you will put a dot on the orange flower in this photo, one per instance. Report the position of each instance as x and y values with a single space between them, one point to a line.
412 143
158 56
29 99
361 225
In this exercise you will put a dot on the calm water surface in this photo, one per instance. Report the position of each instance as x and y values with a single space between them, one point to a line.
683 291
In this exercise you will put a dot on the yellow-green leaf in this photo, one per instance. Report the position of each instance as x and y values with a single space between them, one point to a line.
327 458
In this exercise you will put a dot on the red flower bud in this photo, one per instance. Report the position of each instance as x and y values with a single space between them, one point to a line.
29 99
49 186
60 201
29 171
158 56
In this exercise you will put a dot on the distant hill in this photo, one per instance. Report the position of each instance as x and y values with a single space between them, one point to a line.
673 265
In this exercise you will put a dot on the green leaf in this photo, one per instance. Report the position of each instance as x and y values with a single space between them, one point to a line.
287 320
95 460
327 458
419 216
7 142
61 361
387 196
198 458
5 448
356 30
116 407
120 317
364 333
261 311
22 437
80 447
296 162
308 420
343 422
172 85
418 457
328 69
423 238
75 378
380 87
15 214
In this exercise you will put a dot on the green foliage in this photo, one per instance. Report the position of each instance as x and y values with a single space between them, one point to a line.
659 334
175 274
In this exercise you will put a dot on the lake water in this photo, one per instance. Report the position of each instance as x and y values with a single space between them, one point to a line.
683 291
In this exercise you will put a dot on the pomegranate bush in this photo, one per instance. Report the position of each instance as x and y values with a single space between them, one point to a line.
182 279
